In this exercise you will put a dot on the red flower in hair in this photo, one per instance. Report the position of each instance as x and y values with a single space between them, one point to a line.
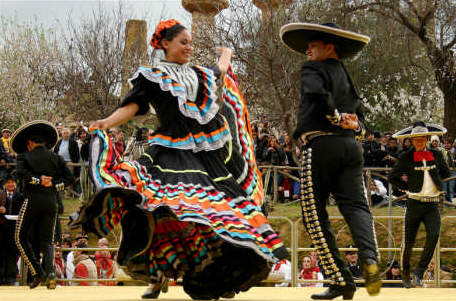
157 37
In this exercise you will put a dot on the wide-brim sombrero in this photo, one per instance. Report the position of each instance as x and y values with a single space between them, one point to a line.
7 130
36 128
420 129
297 36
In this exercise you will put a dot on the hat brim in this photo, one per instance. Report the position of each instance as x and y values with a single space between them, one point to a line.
433 129
42 128
296 36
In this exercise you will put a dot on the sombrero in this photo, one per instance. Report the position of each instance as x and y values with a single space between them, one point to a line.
419 129
36 128
6 130
297 36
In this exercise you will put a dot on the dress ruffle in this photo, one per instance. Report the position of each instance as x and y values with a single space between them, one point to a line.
234 109
203 110
192 224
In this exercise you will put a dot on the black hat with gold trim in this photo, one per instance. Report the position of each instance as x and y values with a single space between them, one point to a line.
420 129
34 130
297 36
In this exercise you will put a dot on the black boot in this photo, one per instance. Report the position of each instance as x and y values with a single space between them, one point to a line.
50 281
335 291
37 280
406 279
371 274
153 291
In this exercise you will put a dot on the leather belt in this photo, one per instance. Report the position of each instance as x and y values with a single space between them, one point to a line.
306 137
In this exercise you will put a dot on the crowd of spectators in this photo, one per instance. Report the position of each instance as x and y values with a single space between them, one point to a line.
380 151
311 269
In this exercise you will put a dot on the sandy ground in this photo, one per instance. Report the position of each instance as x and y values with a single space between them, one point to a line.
133 293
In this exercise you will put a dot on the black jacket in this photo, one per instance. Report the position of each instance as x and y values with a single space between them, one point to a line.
40 161
325 87
13 206
406 165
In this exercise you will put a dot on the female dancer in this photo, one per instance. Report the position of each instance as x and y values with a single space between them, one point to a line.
190 206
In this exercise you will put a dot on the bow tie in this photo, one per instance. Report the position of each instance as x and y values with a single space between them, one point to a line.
418 156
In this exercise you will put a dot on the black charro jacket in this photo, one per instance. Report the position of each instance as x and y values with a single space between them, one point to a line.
438 170
40 161
325 87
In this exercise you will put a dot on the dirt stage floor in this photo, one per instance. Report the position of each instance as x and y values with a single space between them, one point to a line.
133 293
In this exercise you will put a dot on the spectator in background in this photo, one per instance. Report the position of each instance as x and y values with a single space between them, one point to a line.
120 142
68 149
11 201
112 132
373 150
273 153
353 262
83 141
70 267
393 273
106 268
379 193
84 266
445 274
435 143
406 145
3 160
392 151
263 140
284 267
59 126
66 243
310 270
288 189
59 264
6 137
450 186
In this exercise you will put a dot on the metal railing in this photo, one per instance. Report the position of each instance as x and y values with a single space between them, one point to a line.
295 249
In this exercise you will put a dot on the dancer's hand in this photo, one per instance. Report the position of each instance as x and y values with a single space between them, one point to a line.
349 121
46 181
224 61
99 124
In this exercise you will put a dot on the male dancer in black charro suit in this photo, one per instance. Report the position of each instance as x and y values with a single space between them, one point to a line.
420 172
43 173
328 120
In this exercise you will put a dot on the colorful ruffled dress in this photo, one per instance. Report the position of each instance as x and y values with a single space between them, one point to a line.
190 206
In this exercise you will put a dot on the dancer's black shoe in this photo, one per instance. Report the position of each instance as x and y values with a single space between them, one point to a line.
406 279
37 280
50 281
154 291
334 292
371 273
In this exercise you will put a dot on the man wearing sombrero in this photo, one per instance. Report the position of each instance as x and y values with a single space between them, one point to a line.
42 174
328 120
419 172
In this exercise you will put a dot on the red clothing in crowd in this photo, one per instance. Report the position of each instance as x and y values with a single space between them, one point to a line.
60 269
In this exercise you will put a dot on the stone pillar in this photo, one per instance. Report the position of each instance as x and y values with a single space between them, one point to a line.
135 51
268 7
203 28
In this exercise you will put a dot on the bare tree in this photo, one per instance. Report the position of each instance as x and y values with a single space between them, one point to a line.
93 63
29 59
433 22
